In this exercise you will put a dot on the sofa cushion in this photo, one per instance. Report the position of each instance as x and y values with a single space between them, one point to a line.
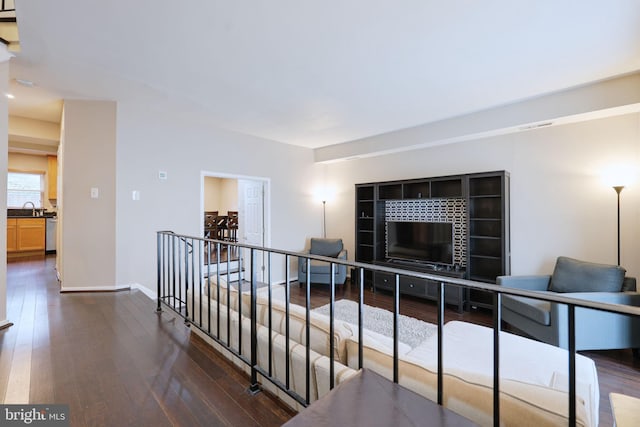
320 326
572 275
529 372
528 397
534 309
320 267
326 247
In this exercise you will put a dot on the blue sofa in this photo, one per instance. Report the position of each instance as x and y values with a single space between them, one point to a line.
595 330
321 271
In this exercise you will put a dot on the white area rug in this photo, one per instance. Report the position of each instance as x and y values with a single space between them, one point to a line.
411 331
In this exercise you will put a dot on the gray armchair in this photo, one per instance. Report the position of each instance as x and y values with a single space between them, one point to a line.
321 271
595 329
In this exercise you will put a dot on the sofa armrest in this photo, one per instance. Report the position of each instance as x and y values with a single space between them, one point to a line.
624 298
531 283
301 263
342 254
629 284
596 329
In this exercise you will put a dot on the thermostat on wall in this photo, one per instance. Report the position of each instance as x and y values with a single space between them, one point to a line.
162 175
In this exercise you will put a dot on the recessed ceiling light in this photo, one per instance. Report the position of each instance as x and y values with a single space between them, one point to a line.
25 82
9 95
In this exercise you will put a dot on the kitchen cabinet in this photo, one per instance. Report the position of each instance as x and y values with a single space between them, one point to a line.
12 235
25 235
52 177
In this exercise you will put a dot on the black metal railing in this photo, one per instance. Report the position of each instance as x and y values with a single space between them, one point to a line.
7 11
184 270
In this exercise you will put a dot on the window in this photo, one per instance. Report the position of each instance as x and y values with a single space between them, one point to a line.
23 188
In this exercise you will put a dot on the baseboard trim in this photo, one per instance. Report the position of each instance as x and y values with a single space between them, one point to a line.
116 288
4 324
148 292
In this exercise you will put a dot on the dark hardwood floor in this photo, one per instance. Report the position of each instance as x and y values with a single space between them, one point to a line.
115 361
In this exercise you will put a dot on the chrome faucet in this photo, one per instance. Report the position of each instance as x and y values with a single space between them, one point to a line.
33 210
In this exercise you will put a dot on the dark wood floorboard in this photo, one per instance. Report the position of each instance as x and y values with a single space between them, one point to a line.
116 362
617 370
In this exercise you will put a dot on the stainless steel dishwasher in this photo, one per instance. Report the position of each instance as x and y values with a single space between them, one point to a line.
50 242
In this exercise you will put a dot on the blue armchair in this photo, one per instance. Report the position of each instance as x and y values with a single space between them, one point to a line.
595 330
321 271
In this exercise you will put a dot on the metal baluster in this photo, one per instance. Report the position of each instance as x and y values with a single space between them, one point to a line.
167 272
572 365
200 264
332 300
228 297
192 257
208 290
255 387
177 242
270 314
159 252
396 312
308 331
497 318
287 263
239 298
440 343
360 319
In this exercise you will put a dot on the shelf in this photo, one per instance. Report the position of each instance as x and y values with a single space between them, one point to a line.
390 192
486 237
365 192
446 188
485 185
416 190
485 196
485 219
487 257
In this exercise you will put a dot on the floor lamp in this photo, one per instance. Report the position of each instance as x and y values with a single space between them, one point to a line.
618 189
324 219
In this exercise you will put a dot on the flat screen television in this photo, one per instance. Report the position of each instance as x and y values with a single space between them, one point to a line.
428 242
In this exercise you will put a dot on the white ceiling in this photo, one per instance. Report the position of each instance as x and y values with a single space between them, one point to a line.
321 73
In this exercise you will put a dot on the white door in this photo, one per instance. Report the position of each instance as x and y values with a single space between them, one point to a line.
251 228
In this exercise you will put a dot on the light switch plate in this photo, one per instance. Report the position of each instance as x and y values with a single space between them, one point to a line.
94 192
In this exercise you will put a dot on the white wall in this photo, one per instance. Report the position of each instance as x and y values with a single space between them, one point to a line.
150 141
559 204
87 241
220 194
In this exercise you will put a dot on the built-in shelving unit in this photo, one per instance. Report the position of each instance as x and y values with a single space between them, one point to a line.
365 240
488 237
484 198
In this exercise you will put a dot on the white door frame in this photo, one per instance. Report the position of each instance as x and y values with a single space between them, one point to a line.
266 199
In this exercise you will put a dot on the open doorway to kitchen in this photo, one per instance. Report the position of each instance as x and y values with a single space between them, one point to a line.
236 209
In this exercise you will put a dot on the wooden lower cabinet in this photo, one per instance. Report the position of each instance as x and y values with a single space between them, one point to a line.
12 235
25 235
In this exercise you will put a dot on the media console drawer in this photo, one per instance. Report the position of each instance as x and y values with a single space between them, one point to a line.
423 288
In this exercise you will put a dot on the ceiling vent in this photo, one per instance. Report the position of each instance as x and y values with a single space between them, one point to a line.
535 126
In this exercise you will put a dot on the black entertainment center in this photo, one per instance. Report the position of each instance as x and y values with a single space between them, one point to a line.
454 226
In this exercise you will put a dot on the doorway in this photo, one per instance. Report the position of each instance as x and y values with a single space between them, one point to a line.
249 197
